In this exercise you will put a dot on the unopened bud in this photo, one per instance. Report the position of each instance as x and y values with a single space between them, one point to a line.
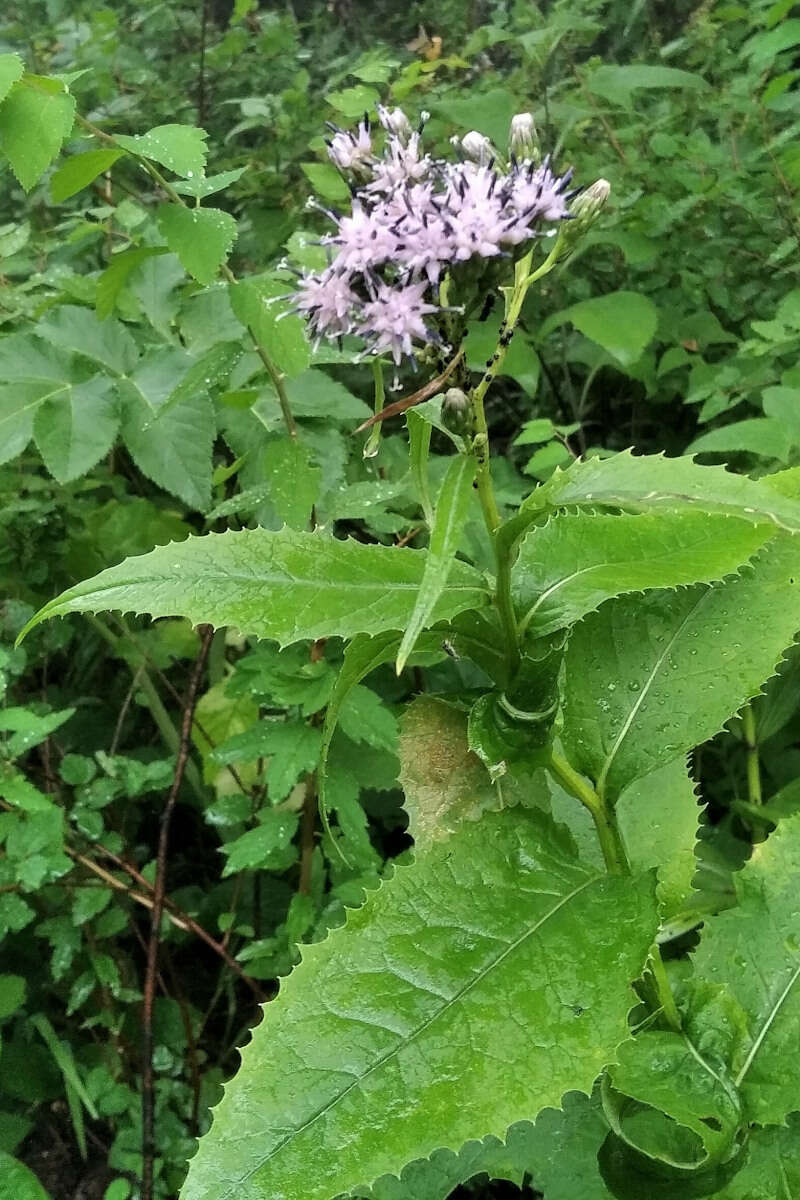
478 147
395 121
456 414
584 211
522 140
587 205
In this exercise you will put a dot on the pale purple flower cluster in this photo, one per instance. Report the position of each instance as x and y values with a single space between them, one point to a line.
413 218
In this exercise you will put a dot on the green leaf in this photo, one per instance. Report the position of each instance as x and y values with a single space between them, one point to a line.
639 482
18 405
12 995
697 1110
403 1028
326 181
210 371
180 148
616 83
448 527
419 439
28 729
772 1169
264 847
293 482
647 679
116 275
446 784
559 1152
663 835
79 171
263 306
287 586
201 237
35 119
170 441
753 950
623 323
79 330
12 68
768 437
291 746
75 429
209 184
19 1181
570 566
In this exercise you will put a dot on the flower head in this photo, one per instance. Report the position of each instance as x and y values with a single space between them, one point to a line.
393 318
414 218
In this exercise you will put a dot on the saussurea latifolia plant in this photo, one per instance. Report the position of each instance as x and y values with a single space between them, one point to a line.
559 968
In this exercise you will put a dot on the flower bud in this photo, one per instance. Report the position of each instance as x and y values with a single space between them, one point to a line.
478 147
584 211
522 140
456 413
395 121
587 204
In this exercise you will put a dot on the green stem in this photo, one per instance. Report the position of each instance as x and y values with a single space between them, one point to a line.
276 376
605 823
523 278
665 996
753 764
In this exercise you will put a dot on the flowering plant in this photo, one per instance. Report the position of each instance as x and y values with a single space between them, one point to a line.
547 969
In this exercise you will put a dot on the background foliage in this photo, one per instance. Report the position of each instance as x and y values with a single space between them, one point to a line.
134 409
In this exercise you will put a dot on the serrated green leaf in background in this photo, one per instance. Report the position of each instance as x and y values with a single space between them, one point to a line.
772 1167
12 995
452 505
79 171
262 304
174 450
287 585
76 428
180 148
754 950
639 482
262 848
569 566
316 394
35 119
765 436
292 748
11 69
201 237
116 275
403 1027
648 679
293 481
80 331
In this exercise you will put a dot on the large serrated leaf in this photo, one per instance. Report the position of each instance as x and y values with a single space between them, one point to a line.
76 428
35 119
400 1033
647 481
570 566
286 585
647 679
559 1152
754 950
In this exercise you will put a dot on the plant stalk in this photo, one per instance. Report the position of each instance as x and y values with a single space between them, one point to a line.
753 764
605 823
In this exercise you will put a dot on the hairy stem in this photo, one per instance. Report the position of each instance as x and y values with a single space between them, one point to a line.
666 998
605 822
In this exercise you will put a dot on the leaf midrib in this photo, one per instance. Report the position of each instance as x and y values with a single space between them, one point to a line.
759 1041
640 699
417 1032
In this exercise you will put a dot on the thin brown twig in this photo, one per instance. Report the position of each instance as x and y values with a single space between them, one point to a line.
159 895
418 397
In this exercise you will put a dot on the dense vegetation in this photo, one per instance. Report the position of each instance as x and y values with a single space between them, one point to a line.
235 767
